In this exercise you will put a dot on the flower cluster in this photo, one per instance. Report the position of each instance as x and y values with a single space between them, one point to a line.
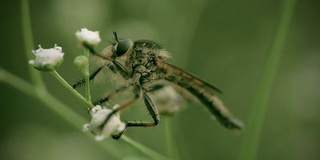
104 121
88 37
102 128
50 59
47 59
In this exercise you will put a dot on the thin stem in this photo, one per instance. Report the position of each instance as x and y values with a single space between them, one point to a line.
19 83
28 42
171 143
72 90
87 75
251 140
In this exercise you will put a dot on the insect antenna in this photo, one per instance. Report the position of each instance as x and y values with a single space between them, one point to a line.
116 36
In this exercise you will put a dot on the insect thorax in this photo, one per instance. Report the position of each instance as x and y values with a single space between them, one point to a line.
145 59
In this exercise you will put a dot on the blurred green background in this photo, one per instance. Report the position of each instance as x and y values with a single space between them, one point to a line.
223 42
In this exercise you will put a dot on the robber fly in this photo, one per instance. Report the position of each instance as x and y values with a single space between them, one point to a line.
142 64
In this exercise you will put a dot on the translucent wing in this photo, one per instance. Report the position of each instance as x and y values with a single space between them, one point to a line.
204 92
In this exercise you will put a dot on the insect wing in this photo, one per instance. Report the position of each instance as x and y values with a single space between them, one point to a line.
203 91
176 72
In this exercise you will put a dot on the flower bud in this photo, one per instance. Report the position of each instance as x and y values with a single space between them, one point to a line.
82 63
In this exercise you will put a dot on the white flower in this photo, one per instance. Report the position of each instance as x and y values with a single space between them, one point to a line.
102 128
47 59
88 37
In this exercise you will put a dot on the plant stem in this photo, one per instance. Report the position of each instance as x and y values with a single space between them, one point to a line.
87 75
73 91
171 143
19 83
28 42
251 140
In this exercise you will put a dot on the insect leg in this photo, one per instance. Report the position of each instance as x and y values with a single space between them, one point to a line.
153 112
91 77
110 95
156 87
122 70
92 51
95 73
137 94
151 108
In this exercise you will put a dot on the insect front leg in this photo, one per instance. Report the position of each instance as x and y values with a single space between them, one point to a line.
91 77
120 89
81 82
121 69
110 95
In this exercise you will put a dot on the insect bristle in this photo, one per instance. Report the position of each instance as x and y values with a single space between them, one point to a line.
81 82
78 84
99 101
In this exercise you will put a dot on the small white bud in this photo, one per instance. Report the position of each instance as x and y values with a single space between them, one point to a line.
88 37
86 127
102 128
47 59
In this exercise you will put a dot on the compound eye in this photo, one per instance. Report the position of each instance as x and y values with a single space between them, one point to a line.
123 46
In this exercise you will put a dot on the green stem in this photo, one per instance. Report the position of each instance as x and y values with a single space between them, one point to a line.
73 91
251 140
171 143
87 75
19 83
28 42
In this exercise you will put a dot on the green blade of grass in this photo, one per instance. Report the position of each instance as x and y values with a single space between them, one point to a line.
250 145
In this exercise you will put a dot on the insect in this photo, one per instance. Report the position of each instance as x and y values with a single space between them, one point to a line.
142 63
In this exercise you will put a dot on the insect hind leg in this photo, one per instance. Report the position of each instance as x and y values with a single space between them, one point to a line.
153 112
